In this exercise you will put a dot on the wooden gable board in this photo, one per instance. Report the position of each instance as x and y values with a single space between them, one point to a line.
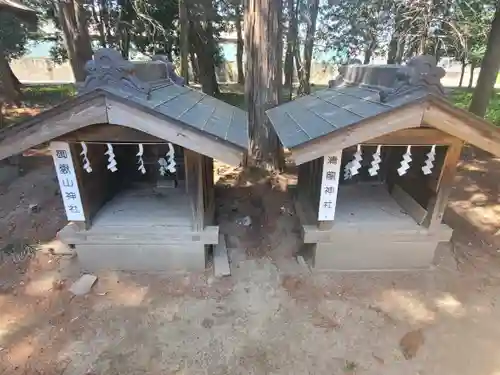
57 121
401 118
100 106
431 111
462 124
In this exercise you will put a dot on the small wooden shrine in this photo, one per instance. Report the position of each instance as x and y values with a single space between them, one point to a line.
134 160
377 153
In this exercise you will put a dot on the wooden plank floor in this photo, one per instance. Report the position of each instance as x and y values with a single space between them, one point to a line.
146 207
370 206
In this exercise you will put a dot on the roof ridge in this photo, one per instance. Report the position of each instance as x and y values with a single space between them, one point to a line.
108 68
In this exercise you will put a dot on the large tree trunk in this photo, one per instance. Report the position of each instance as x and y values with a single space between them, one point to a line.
184 40
489 70
194 67
291 42
203 43
393 48
462 73
201 36
10 88
98 21
239 45
312 15
471 77
124 18
263 80
76 36
370 48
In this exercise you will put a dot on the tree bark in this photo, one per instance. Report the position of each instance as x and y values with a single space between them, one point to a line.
305 86
291 42
369 50
462 73
201 36
98 21
489 70
393 48
10 88
76 36
184 40
194 67
471 77
203 43
239 45
124 19
263 80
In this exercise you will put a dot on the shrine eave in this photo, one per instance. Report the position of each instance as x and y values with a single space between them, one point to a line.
216 129
344 117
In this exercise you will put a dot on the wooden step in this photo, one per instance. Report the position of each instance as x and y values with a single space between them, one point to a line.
139 235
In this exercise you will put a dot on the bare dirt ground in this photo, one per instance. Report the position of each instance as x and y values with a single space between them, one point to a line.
271 316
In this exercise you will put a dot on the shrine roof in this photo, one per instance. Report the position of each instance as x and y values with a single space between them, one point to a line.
114 93
362 96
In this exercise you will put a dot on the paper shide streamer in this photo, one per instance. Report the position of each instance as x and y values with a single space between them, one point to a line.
168 164
429 162
373 171
85 159
405 163
111 158
356 162
140 161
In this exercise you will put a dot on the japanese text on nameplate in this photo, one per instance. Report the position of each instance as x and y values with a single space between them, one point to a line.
66 176
329 186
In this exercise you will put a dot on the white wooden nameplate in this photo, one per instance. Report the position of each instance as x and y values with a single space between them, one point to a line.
329 186
68 184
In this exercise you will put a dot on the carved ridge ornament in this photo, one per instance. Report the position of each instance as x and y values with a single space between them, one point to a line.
421 72
109 68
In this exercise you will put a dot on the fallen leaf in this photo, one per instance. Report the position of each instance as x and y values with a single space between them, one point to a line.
411 342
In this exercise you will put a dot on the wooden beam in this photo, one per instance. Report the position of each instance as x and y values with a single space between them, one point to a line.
194 186
221 258
467 127
109 133
399 119
49 127
414 137
126 115
437 205
408 204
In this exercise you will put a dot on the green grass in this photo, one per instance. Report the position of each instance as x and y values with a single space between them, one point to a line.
47 95
462 97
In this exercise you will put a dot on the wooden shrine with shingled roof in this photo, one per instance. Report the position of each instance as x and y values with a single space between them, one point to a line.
134 160
377 153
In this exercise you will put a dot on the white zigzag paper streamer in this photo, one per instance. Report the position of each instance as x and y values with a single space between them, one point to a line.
169 163
140 161
355 163
171 159
375 162
347 171
429 162
85 159
111 158
405 163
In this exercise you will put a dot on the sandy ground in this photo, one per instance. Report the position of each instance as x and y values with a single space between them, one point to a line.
272 316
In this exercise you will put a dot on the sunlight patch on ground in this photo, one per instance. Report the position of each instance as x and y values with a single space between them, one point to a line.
19 353
473 168
121 292
450 305
40 286
406 307
486 218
